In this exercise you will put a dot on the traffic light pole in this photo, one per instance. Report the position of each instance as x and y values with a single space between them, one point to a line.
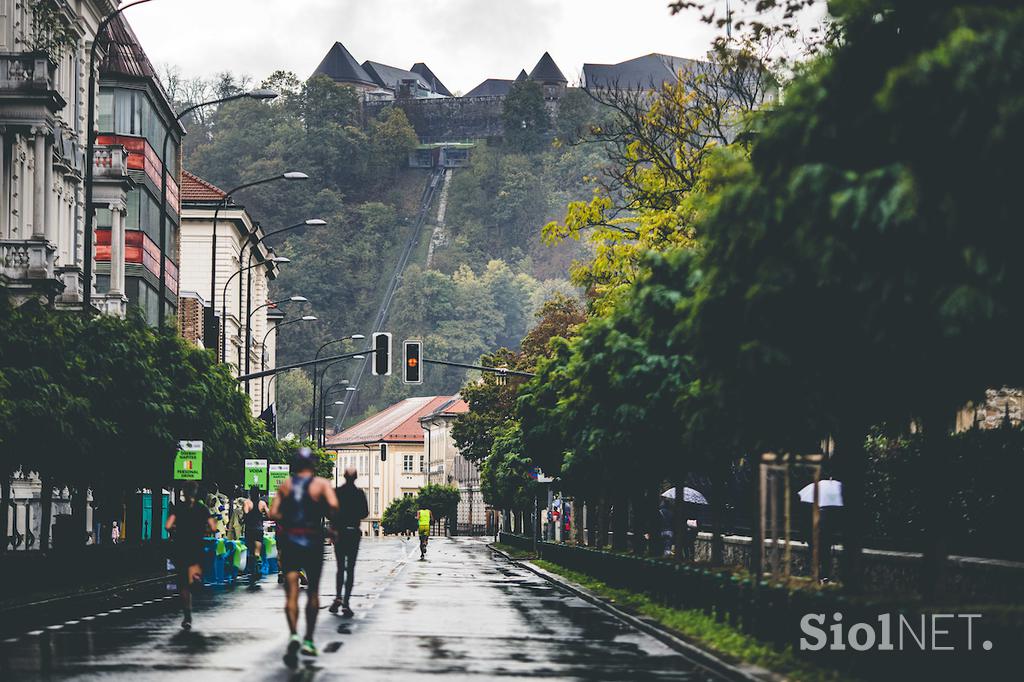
307 363
495 370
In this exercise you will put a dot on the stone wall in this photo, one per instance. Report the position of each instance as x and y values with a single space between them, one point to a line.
449 119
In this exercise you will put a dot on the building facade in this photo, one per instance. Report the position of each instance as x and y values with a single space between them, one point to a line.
404 471
447 466
236 231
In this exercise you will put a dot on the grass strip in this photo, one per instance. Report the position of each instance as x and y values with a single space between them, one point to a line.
703 630
513 552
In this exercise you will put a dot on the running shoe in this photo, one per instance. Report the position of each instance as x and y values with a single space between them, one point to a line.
186 622
308 648
291 653
346 611
335 605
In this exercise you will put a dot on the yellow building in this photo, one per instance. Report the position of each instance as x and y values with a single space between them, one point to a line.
404 471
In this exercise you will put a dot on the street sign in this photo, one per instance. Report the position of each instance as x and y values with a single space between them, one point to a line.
381 365
188 462
277 475
256 473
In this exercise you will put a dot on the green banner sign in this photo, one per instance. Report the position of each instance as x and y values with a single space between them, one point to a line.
279 473
256 473
188 462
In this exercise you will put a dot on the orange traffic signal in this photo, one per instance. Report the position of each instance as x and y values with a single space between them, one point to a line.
412 351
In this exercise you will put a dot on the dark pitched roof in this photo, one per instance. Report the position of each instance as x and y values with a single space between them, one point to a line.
522 76
650 71
341 66
492 87
125 57
547 71
391 76
428 75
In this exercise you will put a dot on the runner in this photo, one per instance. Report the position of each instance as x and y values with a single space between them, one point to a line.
345 526
254 510
190 521
423 517
299 507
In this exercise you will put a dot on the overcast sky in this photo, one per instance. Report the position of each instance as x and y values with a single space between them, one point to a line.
463 41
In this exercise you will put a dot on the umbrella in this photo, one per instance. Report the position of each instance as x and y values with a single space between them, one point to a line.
830 493
689 495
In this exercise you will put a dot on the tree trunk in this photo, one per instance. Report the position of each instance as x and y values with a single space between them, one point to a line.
46 508
850 441
719 475
655 547
936 480
5 510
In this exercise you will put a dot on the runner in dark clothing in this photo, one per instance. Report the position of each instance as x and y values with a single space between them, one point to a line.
345 527
255 510
299 507
189 522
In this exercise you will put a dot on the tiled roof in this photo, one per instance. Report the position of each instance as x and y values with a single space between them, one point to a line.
492 87
392 76
547 71
196 190
428 75
340 65
650 71
399 423
523 76
125 57
455 405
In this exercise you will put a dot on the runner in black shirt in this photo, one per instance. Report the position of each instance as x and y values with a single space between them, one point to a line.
346 533
189 521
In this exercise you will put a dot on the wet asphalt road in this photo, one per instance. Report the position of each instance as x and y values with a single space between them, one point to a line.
465 613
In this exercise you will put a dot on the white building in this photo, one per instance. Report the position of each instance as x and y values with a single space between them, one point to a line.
236 231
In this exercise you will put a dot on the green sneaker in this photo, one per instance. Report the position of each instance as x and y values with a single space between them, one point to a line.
308 648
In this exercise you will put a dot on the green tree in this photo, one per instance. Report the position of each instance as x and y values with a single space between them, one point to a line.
525 117
400 515
441 500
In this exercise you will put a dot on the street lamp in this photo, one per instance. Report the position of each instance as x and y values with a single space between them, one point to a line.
259 94
263 343
290 175
273 304
312 222
224 307
312 412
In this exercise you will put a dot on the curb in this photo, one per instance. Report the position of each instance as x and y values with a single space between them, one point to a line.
70 598
740 672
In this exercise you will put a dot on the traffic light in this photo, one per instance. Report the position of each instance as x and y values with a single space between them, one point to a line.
381 366
412 373
383 452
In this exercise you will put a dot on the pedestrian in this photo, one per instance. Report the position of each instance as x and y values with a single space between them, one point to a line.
254 510
299 507
665 514
115 533
345 525
189 520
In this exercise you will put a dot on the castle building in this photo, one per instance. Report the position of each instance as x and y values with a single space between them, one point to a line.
648 72
377 81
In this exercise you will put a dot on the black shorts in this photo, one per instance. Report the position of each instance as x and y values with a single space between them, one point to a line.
302 558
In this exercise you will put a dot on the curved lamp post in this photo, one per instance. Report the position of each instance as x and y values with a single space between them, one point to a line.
263 342
312 222
322 437
260 94
224 307
312 411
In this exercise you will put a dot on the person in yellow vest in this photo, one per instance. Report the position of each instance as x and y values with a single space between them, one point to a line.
423 519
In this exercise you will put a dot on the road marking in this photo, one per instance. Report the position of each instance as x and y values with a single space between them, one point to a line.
71 622
89 618
54 627
11 640
34 633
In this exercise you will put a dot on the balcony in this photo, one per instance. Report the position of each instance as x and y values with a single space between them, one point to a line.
28 79
110 162
27 264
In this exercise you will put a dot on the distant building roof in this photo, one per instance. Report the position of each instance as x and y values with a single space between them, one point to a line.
392 76
454 406
650 71
435 83
523 76
342 67
492 87
399 423
547 71
196 190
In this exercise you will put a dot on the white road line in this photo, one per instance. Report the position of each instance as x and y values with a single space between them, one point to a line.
11 640
71 622
34 633
88 617
54 627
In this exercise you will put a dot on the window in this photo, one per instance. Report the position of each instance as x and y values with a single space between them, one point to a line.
376 502
423 463
407 464
407 494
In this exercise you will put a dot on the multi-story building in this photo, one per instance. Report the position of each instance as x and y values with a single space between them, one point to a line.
236 232
44 57
136 115
447 466
404 471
